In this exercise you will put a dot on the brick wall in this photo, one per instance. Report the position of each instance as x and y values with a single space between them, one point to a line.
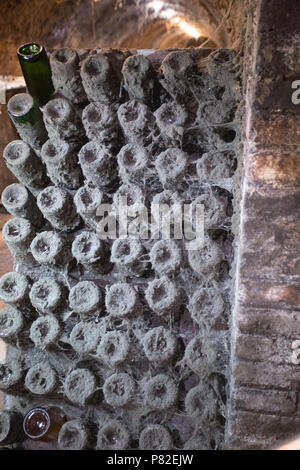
265 385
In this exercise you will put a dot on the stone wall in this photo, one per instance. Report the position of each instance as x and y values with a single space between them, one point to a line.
265 372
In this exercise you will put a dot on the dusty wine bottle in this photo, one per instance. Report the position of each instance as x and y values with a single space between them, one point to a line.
62 121
11 430
11 325
41 379
128 254
77 434
87 200
99 79
25 165
18 233
28 120
14 289
19 202
80 387
56 204
14 327
65 66
37 72
51 249
85 298
61 162
45 331
47 295
91 252
12 376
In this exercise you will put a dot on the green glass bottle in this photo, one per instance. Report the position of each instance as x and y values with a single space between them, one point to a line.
37 72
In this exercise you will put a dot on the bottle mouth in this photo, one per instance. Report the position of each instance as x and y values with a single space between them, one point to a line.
30 51
36 423
19 105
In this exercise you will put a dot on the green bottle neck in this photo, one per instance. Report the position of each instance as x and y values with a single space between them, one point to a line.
31 52
37 72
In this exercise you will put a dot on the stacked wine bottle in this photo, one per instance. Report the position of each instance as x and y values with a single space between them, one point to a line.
126 336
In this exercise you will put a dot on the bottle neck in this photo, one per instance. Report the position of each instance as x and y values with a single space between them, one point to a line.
31 52
37 72
43 424
21 108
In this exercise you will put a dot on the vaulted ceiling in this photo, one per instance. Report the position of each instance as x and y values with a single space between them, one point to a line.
143 24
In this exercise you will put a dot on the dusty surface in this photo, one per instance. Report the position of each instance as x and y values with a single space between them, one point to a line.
126 359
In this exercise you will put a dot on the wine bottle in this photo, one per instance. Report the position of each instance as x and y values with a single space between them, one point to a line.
77 434
61 161
11 430
57 206
44 424
91 252
25 165
19 202
28 120
37 72
12 376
